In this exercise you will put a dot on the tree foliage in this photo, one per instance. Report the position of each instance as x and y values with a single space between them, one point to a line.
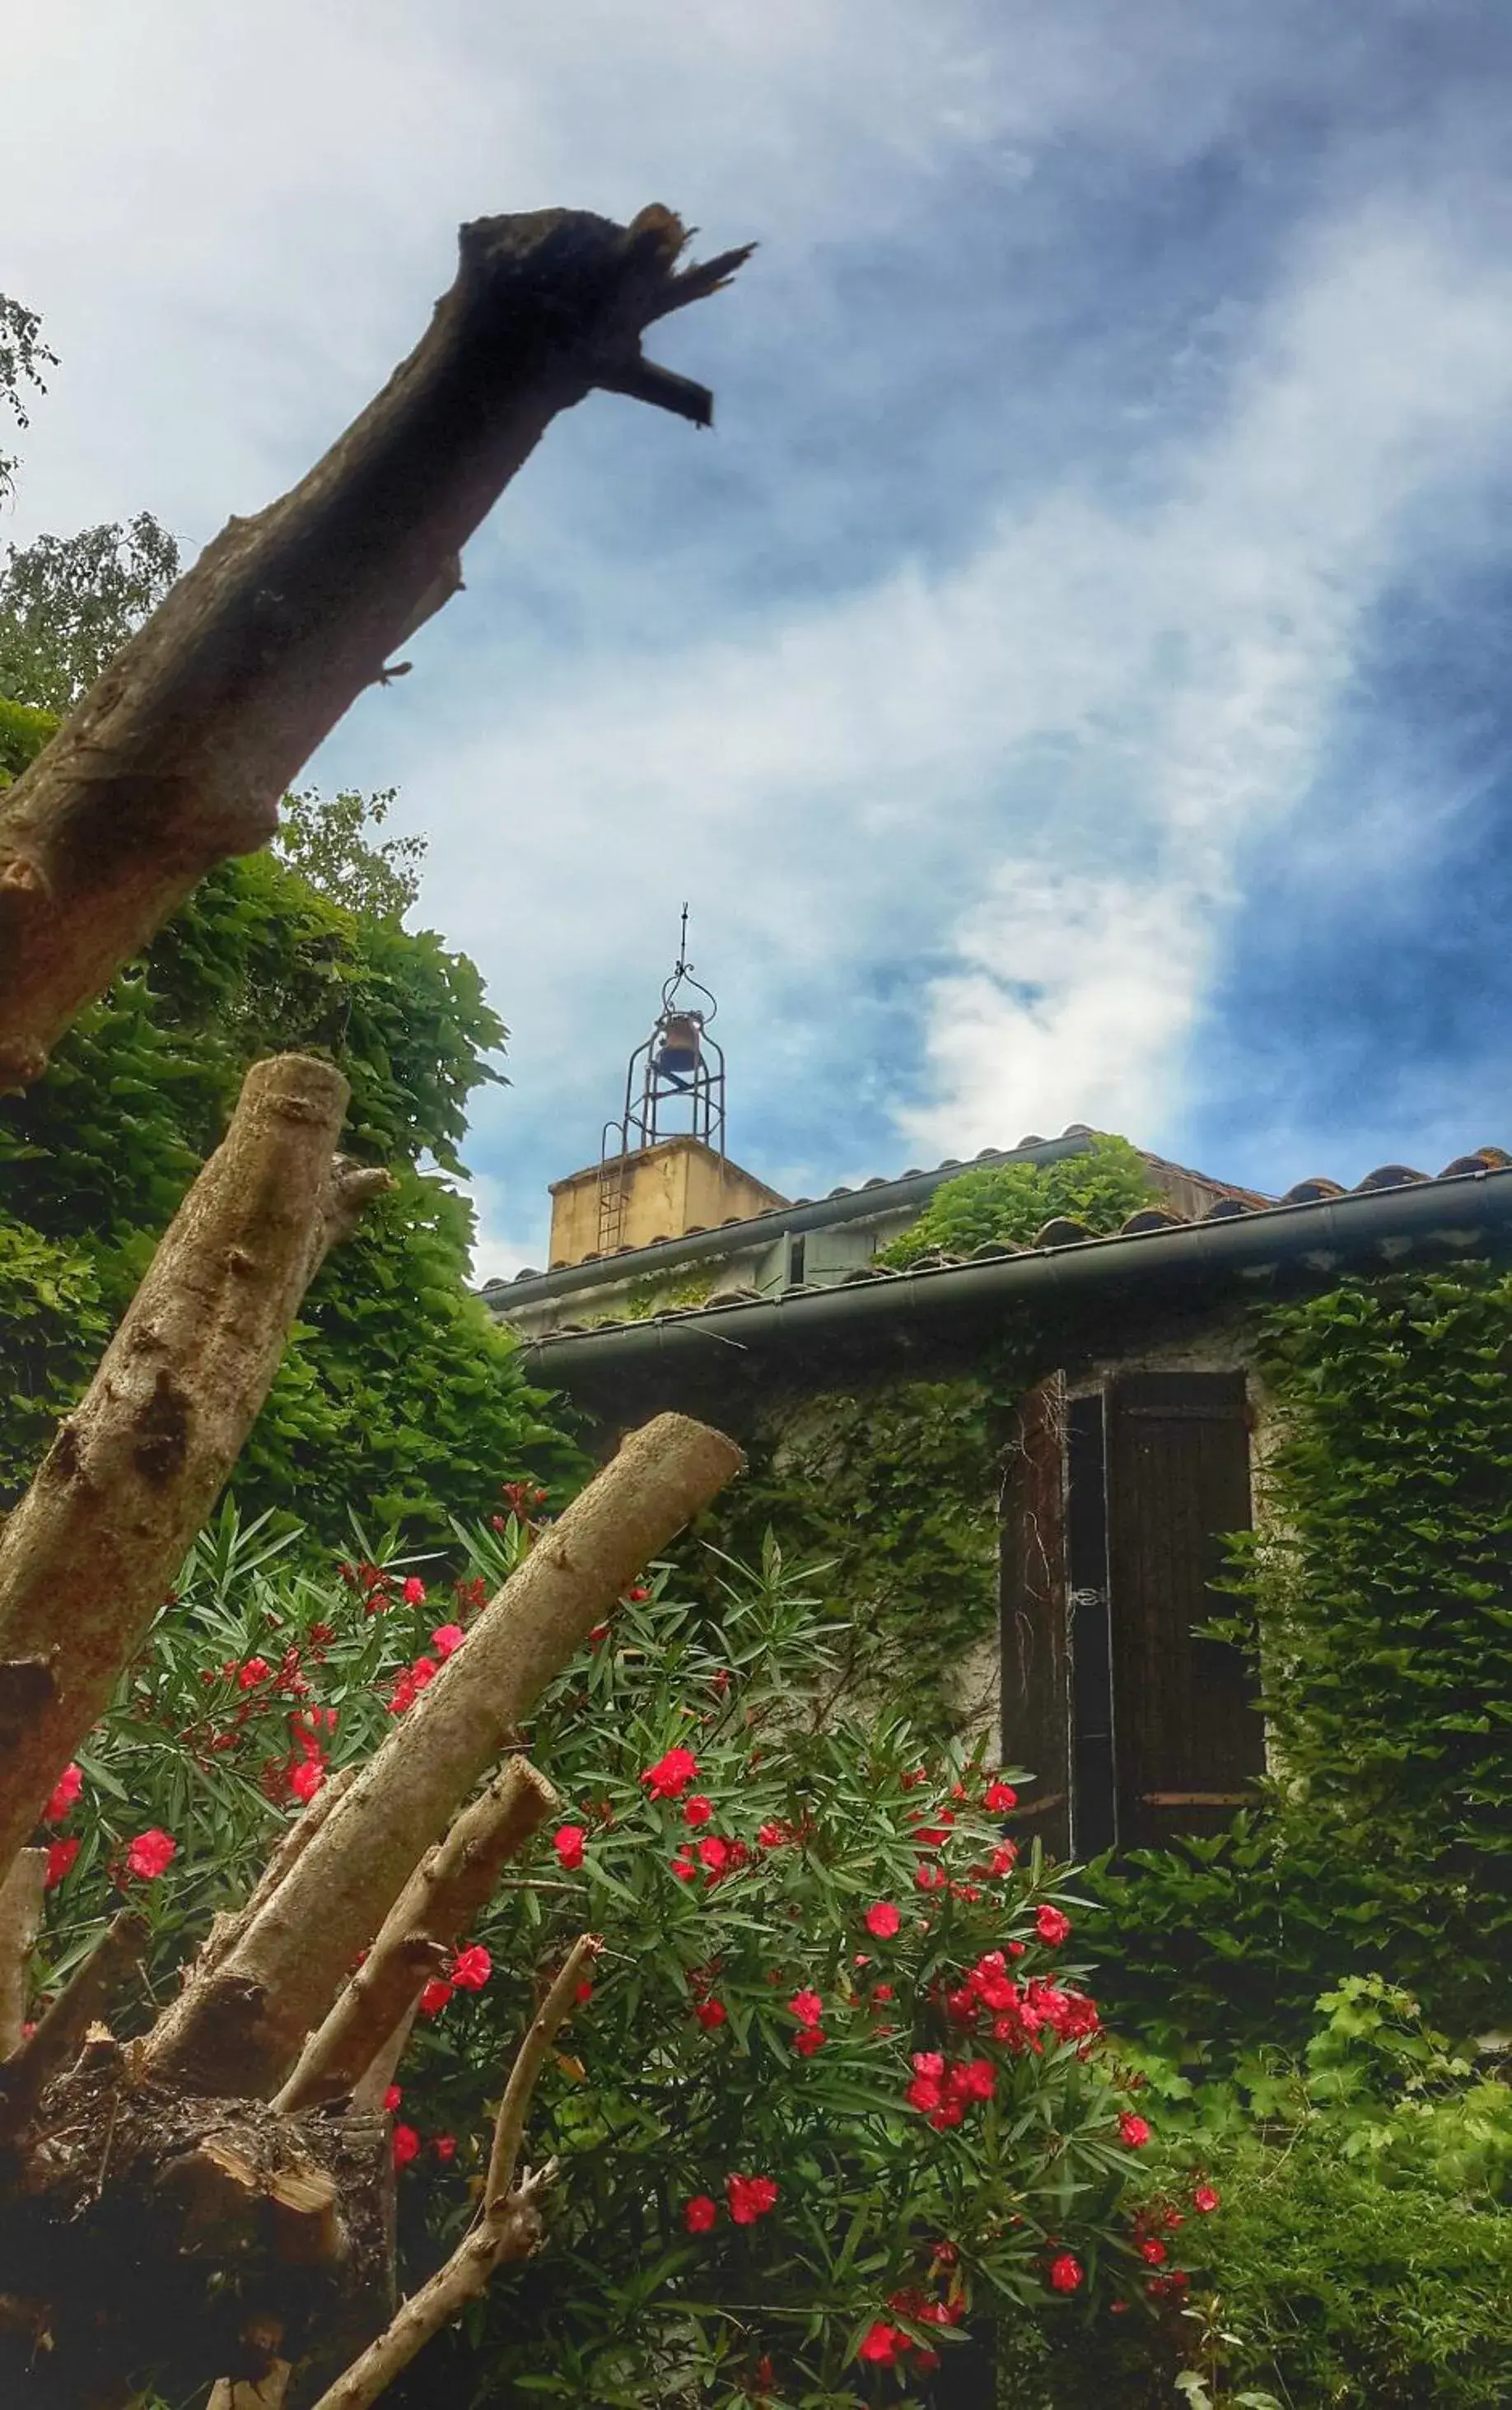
398 1387
325 839
67 605
24 356
1005 1204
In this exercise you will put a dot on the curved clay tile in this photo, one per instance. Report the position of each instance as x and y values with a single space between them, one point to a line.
992 1248
1389 1175
1062 1232
1486 1158
1227 1207
1034 1139
1151 1217
1313 1192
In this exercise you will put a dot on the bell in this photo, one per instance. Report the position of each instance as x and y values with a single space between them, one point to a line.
677 1054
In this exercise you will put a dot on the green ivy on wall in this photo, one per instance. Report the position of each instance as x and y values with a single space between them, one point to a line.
1376 1597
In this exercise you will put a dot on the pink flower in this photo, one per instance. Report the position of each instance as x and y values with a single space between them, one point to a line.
1153 2250
699 2214
568 1843
63 1796
61 1855
928 2062
750 2198
472 1967
1205 2199
446 1639
1051 1924
882 2344
406 2145
710 2014
150 1854
435 1997
807 2006
998 1799
697 1810
1133 2130
1065 2273
882 1919
414 1590
669 1778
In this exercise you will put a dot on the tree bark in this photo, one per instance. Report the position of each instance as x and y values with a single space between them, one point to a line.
446 1891
243 2029
21 1921
87 1555
177 756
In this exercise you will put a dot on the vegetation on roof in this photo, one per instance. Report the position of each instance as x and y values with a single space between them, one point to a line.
1006 1204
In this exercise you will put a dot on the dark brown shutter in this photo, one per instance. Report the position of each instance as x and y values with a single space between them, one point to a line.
1036 1656
1187 1734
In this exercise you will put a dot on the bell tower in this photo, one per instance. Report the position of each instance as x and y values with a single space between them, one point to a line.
662 1169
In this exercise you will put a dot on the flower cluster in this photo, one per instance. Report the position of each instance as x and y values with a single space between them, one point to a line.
469 1971
750 2198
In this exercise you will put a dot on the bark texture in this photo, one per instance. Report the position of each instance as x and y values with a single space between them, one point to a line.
87 1555
243 2029
448 1889
178 756
21 1921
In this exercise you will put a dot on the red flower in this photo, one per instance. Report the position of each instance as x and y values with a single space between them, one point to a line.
1152 2249
928 2062
1051 1924
1205 2198
882 1919
750 2198
637 1593
446 1639
882 2344
999 1797
698 1811
699 2214
923 2093
472 1967
444 2146
716 1854
669 1778
1064 2273
807 2006
406 2145
63 1796
414 1590
977 2079
568 1843
256 1670
392 2098
435 1997
1133 2130
151 1854
807 2040
930 1878
307 1777
61 1855
1004 1858
883 1992
771 1836
683 1864
711 2013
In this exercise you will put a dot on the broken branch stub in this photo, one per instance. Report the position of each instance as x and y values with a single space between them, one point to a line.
241 2029
88 1555
177 756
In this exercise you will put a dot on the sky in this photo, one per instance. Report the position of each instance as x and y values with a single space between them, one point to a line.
1068 684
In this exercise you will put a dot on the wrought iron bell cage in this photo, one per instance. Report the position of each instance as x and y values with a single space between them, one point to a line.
675 1079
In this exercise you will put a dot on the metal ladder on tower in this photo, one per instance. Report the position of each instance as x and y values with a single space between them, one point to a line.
614 1196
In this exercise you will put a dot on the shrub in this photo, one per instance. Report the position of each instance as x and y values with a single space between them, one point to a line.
769 2189
1007 1203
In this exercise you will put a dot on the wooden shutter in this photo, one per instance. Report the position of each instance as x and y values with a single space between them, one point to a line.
1187 1734
1037 1715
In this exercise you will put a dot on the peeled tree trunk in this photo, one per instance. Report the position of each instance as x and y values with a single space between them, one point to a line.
88 1554
179 754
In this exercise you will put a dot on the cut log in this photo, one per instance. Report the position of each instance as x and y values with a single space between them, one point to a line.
243 2029
177 756
88 1555
452 1883
21 1921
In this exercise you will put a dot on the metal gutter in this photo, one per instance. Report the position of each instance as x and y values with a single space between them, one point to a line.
904 1322
734 1238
